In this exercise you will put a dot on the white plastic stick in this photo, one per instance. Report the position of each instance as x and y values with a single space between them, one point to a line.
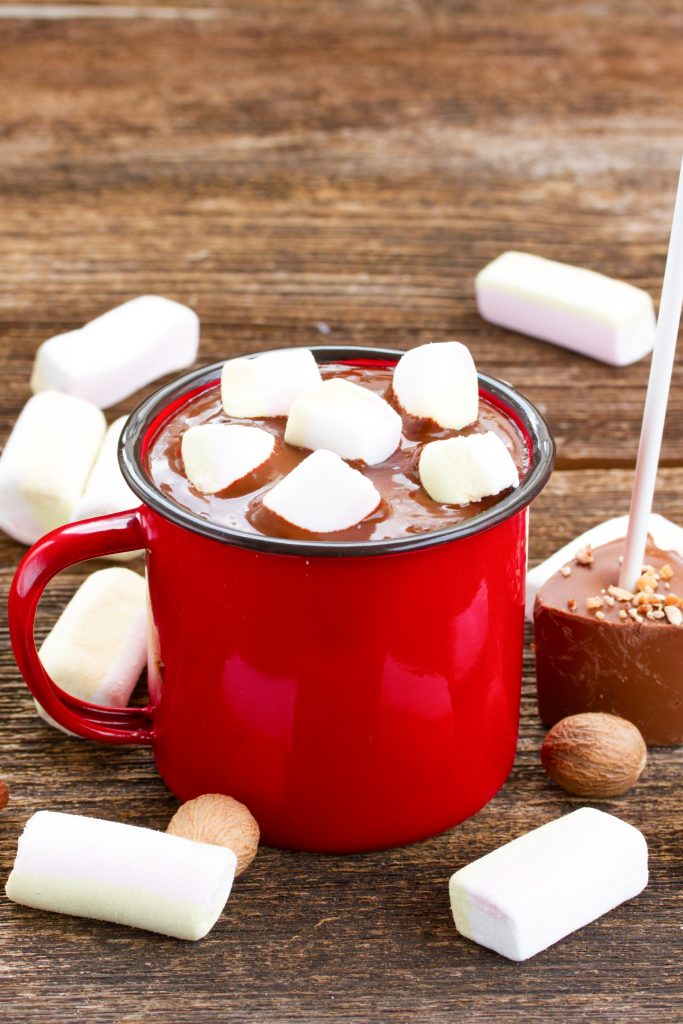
656 401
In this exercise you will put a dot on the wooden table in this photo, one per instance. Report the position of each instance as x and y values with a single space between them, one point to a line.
303 171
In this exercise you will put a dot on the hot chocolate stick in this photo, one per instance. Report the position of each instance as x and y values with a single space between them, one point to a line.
656 400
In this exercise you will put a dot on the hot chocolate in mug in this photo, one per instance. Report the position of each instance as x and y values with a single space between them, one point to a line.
354 695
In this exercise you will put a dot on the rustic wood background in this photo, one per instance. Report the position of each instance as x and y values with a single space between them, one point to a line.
311 170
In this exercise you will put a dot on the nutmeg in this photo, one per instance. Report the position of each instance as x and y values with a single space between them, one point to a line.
4 794
594 754
220 821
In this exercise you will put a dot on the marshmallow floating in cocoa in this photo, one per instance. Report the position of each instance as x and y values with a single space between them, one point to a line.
537 889
119 351
98 647
347 419
128 875
576 308
464 469
323 495
216 455
267 384
438 382
46 462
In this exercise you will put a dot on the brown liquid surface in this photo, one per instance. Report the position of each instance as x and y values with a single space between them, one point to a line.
627 668
405 507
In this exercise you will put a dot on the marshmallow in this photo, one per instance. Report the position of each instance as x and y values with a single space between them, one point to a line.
464 469
120 351
109 871
578 309
667 536
266 385
347 419
438 382
534 891
106 490
216 455
323 494
98 647
46 462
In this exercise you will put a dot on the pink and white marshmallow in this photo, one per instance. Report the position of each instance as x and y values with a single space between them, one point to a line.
120 351
579 309
46 463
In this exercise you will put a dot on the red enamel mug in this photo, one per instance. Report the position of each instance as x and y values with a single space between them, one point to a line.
354 695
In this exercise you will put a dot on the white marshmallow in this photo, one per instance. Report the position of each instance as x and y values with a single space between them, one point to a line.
464 469
576 308
347 419
534 891
667 536
46 462
438 382
120 351
106 490
323 494
216 455
109 871
98 647
266 385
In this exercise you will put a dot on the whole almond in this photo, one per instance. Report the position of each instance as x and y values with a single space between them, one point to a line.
594 754
4 794
220 821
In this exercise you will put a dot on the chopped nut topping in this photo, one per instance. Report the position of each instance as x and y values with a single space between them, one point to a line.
673 600
659 614
620 593
610 602
642 598
585 556
674 615
656 598
623 614
593 603
565 571
647 582
600 615
667 585
572 604
666 572
634 615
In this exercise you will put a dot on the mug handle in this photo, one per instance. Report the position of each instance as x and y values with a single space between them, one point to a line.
75 542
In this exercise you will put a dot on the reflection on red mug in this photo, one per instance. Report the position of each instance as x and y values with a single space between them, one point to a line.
354 696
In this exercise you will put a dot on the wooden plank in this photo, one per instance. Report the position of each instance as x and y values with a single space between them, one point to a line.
277 180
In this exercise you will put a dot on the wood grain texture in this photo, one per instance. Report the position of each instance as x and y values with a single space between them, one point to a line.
292 168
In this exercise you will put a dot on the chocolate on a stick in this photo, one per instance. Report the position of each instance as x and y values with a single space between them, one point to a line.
609 630
600 647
